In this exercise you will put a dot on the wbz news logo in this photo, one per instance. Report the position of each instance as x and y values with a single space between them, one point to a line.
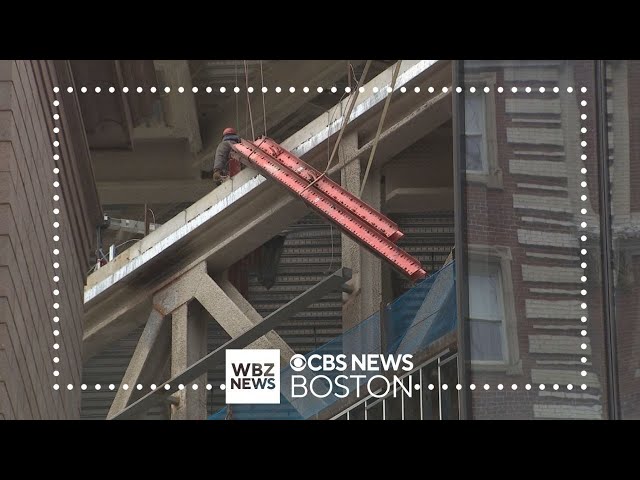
252 376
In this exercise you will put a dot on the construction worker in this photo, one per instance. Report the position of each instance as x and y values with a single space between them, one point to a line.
221 159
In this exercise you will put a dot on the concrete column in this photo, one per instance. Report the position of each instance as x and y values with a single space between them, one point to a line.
366 267
188 345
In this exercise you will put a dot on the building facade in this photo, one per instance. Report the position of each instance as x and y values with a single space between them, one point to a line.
41 308
547 216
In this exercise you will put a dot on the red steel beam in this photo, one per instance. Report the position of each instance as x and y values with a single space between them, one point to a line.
330 209
330 188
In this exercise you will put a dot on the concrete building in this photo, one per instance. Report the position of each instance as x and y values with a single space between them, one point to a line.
510 169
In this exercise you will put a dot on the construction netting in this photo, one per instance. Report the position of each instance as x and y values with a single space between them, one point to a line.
408 325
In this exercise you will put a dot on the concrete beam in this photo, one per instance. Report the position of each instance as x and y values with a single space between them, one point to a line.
153 191
402 134
124 314
180 111
366 267
310 296
229 315
180 291
111 317
368 103
147 362
151 161
188 345
247 309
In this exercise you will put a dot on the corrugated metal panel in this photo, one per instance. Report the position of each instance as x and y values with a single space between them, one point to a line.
428 236
105 369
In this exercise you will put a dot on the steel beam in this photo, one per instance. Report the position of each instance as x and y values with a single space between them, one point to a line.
330 188
166 390
351 225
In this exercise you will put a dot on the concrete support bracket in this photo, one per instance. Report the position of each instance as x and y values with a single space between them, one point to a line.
188 345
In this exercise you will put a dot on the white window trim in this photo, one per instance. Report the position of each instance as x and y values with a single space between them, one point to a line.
502 321
483 137
493 178
512 364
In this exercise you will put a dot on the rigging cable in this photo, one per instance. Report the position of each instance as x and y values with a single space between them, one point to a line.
394 77
264 108
344 124
246 77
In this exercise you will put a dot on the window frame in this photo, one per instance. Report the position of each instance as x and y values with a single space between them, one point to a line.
501 257
484 156
503 320
492 177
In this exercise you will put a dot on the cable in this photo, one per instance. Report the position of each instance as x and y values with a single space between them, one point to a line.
335 109
394 77
246 77
331 262
344 124
153 214
348 114
128 241
264 108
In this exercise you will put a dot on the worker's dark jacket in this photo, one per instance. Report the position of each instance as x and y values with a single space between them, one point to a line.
222 152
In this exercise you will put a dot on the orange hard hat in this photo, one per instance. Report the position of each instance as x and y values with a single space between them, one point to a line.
229 131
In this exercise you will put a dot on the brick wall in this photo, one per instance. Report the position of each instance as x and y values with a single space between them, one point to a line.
536 214
26 241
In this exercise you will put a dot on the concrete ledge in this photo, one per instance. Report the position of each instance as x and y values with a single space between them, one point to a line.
168 235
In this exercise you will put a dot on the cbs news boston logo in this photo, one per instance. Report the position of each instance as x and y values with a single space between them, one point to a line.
252 376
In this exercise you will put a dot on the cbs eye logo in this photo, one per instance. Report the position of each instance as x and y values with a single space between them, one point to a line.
252 376
298 362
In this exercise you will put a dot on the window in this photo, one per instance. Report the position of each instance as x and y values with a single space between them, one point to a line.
492 318
480 132
486 313
475 134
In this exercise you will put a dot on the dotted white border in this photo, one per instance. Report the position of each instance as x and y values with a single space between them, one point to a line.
236 89
583 224
56 240
473 386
